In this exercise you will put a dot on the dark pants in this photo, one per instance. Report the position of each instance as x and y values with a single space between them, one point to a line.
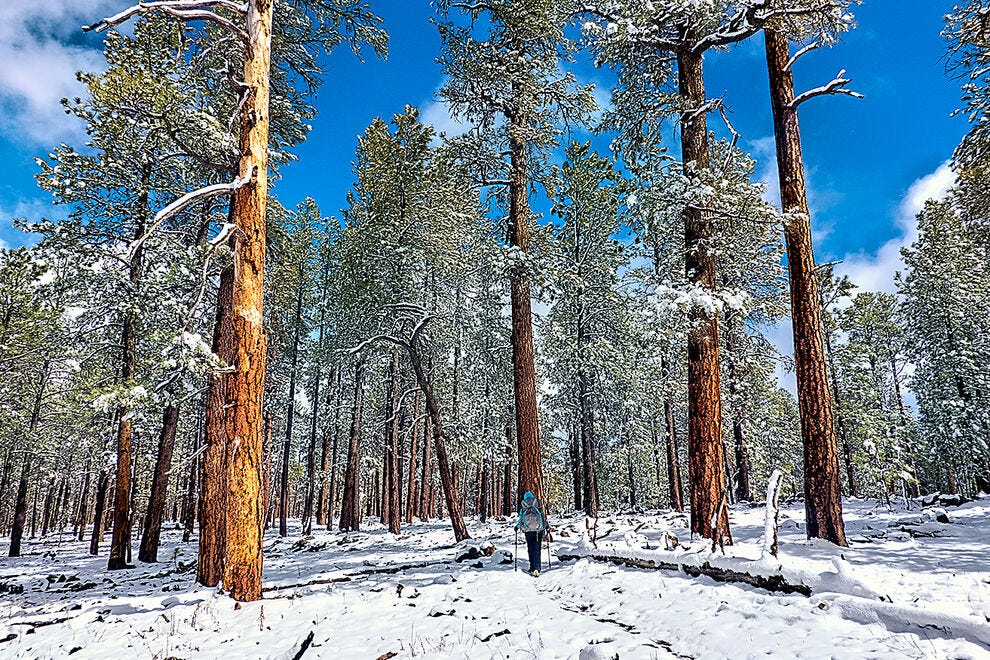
534 543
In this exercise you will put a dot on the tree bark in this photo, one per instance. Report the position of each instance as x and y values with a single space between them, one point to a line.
99 515
20 509
159 486
350 508
523 355
216 430
822 479
709 515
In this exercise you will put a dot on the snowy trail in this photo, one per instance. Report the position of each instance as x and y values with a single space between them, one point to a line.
369 595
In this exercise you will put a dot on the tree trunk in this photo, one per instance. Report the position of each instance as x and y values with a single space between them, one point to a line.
332 494
576 466
822 479
588 447
426 481
99 515
290 414
322 506
446 479
507 489
523 356
46 510
391 509
709 515
485 486
20 509
350 508
309 503
213 482
120 543
159 486
83 518
244 514
413 451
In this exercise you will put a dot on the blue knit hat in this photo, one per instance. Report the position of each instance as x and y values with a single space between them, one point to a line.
529 496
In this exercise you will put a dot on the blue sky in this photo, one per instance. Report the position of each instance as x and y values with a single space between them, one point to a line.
871 162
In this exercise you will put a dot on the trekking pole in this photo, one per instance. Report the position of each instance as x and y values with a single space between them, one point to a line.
515 556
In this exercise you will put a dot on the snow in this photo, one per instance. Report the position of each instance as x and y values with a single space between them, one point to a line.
908 587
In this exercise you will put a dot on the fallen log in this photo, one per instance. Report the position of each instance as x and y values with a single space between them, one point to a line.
773 583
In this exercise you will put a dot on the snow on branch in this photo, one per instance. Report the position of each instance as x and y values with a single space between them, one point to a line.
185 10
814 45
189 199
836 86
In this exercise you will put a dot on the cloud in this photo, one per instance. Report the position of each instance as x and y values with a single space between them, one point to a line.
438 114
31 210
41 49
875 272
764 150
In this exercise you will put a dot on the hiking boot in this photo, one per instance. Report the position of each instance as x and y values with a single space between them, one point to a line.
536 574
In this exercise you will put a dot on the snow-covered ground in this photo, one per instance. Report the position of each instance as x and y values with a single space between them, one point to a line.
908 587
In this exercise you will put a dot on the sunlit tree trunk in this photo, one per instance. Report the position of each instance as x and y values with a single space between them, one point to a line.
706 462
822 478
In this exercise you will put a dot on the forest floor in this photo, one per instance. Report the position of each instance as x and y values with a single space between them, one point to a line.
908 587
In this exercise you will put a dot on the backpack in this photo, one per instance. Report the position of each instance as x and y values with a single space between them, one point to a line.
530 516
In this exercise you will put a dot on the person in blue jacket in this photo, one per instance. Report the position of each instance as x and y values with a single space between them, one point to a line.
533 524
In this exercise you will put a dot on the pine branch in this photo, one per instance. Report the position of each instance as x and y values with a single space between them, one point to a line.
185 10
835 86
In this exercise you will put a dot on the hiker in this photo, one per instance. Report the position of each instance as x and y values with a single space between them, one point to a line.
533 524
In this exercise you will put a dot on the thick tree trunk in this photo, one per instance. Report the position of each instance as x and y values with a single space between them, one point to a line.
213 480
99 515
244 513
822 479
709 513
523 355
159 486
350 508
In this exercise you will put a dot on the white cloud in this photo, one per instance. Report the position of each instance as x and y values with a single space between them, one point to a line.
875 272
438 114
40 53
31 210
